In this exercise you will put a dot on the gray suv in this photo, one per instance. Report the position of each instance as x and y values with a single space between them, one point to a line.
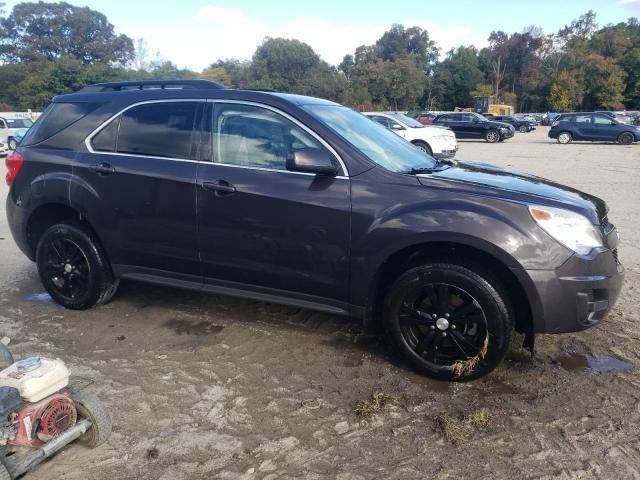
301 201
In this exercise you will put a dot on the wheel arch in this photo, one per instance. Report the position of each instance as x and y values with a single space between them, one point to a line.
419 253
49 214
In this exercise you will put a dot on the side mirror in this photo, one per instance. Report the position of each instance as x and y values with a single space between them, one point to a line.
312 160
396 126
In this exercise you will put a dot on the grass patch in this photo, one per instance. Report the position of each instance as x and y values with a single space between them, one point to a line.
366 409
457 430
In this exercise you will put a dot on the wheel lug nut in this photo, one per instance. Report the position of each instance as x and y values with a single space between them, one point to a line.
446 315
432 327
444 334
434 316
453 327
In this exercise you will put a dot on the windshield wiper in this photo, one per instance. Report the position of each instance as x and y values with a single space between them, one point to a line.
441 164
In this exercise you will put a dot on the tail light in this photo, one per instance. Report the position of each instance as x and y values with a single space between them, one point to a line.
14 162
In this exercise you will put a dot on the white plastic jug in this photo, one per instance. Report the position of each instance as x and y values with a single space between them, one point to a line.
35 377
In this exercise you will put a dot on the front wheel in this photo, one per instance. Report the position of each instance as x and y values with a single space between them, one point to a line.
523 129
424 147
73 267
492 136
451 321
626 138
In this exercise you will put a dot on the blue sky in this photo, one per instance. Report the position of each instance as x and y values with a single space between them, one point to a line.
193 33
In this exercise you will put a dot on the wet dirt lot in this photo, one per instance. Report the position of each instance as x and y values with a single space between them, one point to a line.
202 386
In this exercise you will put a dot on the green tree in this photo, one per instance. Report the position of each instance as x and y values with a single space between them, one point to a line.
456 76
559 100
217 74
57 30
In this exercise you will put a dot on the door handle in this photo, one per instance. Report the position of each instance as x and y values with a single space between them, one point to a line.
219 187
102 169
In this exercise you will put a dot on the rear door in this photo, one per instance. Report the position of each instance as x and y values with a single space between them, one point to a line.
141 168
583 127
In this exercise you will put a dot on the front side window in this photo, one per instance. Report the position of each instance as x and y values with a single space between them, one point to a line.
158 129
250 136
602 120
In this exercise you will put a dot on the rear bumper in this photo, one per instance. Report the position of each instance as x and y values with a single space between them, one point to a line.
17 220
576 296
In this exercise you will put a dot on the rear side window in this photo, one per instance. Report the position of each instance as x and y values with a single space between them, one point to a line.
583 119
55 118
158 130
105 140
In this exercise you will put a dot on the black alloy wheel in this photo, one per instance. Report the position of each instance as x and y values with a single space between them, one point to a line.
445 317
73 267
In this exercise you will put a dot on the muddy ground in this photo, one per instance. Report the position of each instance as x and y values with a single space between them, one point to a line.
202 386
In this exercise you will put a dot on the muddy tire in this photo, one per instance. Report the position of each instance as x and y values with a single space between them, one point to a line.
626 138
424 147
449 320
92 409
565 138
73 267
492 136
6 359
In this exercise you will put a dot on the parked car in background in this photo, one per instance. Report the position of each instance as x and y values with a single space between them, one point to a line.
548 118
520 124
4 149
439 142
13 125
596 127
474 125
425 118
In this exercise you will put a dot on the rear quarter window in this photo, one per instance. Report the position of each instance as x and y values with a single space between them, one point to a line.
56 117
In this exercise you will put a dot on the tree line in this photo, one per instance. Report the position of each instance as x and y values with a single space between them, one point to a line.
51 48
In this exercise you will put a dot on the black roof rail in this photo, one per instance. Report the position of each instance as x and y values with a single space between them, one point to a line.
151 84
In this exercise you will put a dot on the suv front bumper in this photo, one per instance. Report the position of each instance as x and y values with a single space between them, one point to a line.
576 296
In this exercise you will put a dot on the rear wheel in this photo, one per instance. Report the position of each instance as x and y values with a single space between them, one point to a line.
492 136
449 320
424 147
523 129
564 138
73 267
626 138
12 144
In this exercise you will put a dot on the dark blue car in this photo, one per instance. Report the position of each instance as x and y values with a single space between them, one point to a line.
595 127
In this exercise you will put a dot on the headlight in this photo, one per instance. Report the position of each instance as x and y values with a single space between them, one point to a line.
444 138
571 229
504 129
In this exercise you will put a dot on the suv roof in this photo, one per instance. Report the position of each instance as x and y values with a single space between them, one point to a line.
131 92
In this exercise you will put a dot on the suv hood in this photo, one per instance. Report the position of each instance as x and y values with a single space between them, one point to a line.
491 180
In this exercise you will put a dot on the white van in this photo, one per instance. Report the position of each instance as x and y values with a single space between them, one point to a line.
13 125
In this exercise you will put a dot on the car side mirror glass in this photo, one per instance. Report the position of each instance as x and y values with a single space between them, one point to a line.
396 126
312 160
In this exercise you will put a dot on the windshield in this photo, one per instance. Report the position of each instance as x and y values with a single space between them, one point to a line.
408 121
380 145
18 123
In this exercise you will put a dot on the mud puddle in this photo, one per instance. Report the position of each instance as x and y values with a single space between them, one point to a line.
593 362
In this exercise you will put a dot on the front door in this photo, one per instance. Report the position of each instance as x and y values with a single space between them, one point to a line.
138 188
261 226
